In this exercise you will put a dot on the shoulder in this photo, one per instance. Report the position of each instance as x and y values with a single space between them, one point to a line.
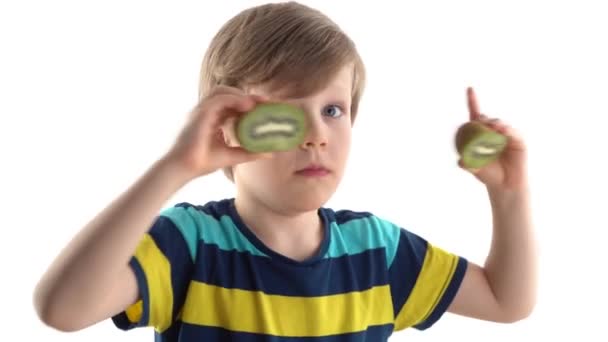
213 209
194 222
362 222
358 231
215 223
188 216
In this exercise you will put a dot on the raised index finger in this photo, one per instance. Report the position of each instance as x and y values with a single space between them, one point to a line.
473 105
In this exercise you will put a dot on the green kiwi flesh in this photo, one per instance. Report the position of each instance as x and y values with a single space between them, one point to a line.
479 145
272 127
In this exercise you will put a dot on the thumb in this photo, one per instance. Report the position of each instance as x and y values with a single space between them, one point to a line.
462 166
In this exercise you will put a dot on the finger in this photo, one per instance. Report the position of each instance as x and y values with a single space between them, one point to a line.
215 111
238 92
260 98
487 120
225 105
213 94
224 89
515 138
472 104
228 118
494 123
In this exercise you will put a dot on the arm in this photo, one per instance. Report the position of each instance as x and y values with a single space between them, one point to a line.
91 280
505 289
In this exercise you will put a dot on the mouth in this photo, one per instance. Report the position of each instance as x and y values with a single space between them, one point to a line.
313 171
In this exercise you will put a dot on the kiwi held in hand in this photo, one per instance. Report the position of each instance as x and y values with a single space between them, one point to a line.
479 145
272 127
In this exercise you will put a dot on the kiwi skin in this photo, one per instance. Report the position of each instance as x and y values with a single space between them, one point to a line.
478 145
278 138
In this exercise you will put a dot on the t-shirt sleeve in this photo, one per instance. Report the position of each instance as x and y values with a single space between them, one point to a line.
162 263
424 280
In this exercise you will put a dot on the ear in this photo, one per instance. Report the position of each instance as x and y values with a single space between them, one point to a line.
228 132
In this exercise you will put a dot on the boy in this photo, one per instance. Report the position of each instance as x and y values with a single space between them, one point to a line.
272 264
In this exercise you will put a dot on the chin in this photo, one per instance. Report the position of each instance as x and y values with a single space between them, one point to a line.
311 200
303 202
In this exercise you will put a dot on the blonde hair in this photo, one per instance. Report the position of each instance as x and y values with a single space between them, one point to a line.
283 45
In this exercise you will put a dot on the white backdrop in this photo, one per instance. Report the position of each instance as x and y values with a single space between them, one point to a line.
92 93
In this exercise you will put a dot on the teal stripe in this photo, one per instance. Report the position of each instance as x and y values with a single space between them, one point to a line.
359 235
195 226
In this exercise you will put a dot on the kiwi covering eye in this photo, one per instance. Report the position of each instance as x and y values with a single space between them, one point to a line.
479 145
272 127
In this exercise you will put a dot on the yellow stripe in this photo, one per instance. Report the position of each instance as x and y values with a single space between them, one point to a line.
257 312
437 271
135 311
157 270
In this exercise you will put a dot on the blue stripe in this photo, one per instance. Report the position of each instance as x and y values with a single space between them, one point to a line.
196 223
352 232
212 334
404 271
448 296
231 269
360 234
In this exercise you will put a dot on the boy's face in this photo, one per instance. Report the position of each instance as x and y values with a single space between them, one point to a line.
305 178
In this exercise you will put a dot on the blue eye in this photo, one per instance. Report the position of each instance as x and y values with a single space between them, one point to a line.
332 110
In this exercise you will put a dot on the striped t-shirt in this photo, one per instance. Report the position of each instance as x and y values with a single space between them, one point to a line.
204 276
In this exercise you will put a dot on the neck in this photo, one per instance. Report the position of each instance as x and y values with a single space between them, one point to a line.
295 235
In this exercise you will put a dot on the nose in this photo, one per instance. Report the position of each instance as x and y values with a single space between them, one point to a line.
316 135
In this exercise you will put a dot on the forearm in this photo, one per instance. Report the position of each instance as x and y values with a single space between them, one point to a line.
511 266
91 262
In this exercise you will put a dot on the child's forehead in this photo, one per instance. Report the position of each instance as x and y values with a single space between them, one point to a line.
340 85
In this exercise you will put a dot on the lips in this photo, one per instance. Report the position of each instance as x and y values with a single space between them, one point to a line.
313 171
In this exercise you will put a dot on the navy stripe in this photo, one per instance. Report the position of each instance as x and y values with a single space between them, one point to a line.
448 296
202 333
121 320
406 267
232 269
171 334
173 245
343 216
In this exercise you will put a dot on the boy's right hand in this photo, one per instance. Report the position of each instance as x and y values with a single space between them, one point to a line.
96 261
200 148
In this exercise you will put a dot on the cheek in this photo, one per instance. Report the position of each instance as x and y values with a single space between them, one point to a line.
342 140
263 173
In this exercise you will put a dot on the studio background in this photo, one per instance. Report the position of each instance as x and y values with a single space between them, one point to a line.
91 93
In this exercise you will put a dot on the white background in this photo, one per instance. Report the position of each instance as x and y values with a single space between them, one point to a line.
92 92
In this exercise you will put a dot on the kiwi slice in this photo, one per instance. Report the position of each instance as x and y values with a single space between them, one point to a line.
272 127
479 145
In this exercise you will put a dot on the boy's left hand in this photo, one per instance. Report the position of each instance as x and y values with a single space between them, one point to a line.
509 172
